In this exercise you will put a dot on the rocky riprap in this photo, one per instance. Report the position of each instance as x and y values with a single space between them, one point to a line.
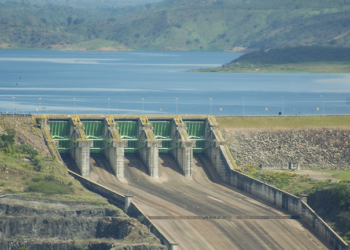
52 225
314 148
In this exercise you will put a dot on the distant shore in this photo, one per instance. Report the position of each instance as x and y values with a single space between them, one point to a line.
308 59
319 67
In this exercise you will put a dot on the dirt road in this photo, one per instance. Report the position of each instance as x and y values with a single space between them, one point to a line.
174 195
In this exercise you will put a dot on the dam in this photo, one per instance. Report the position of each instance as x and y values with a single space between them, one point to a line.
180 175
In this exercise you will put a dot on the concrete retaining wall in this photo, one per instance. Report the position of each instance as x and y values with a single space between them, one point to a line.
277 198
287 166
120 201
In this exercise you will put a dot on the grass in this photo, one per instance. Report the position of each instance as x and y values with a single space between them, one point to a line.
51 181
284 122
339 174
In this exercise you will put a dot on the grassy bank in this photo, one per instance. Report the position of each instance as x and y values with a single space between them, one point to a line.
26 171
331 200
283 122
312 59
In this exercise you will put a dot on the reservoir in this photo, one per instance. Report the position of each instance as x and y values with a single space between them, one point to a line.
156 82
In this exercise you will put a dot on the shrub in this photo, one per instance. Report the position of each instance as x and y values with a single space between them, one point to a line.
141 218
38 167
48 187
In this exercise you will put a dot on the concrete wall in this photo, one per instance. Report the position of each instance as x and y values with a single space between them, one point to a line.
115 157
120 201
183 154
287 166
149 154
275 197
225 166
115 153
81 155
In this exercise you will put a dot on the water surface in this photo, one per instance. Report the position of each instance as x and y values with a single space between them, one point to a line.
57 77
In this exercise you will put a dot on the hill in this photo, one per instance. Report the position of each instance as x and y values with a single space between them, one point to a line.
180 25
316 59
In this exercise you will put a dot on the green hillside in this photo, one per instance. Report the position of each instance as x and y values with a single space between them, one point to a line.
180 25
317 59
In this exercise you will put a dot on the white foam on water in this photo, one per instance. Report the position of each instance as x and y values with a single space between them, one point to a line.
58 60
82 89
102 61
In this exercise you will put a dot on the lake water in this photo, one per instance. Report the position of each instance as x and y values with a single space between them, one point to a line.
57 77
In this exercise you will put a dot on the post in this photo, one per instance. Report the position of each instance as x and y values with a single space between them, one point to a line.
176 106
173 246
142 104
74 104
303 197
243 106
128 200
39 105
13 106
108 104
210 106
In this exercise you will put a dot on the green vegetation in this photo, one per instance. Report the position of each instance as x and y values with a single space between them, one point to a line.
179 25
339 174
315 59
24 170
280 122
330 200
292 183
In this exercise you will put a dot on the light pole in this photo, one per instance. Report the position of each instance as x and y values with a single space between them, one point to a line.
74 104
282 105
142 105
13 106
39 105
323 105
210 105
108 104
176 106
243 106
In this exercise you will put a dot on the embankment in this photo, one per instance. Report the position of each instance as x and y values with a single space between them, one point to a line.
326 148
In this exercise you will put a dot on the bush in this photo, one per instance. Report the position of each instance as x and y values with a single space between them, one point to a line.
38 167
9 139
47 187
141 218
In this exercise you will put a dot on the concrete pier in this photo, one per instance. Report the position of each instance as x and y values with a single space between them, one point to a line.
183 154
114 154
150 153
215 153
81 153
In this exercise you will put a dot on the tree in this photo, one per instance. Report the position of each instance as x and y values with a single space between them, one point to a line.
69 20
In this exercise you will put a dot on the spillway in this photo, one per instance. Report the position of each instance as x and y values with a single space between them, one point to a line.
173 196
180 174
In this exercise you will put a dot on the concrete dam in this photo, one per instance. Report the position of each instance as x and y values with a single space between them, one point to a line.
176 175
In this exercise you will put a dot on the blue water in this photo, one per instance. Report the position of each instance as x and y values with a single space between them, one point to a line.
158 77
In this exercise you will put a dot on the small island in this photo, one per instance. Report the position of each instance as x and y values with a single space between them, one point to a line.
308 59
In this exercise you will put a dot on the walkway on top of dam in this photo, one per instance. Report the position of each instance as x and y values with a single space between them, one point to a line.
172 194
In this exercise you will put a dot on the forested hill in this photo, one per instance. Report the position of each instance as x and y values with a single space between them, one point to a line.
178 25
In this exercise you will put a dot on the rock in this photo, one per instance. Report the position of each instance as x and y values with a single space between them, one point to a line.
321 148
52 225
